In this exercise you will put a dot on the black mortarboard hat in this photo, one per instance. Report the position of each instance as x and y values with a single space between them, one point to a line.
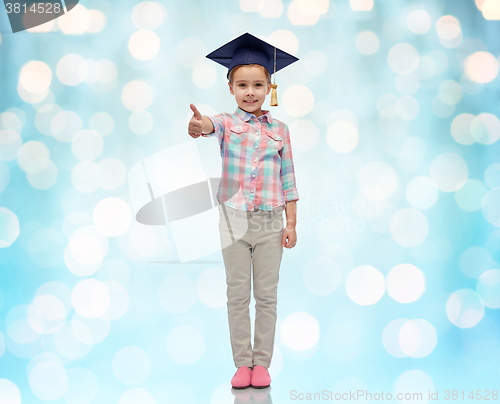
248 49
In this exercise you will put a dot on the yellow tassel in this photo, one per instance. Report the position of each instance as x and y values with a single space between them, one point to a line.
274 96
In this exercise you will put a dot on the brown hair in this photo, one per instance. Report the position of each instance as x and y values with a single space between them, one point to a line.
231 73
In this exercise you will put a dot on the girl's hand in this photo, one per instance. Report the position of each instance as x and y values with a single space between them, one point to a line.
195 127
289 238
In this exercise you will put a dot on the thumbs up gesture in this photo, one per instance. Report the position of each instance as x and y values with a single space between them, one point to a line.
195 127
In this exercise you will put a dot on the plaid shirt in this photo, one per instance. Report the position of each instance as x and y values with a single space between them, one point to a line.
257 165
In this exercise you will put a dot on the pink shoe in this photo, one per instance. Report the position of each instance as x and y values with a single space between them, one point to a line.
242 377
260 377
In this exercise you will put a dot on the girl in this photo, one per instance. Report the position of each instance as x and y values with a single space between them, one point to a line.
257 184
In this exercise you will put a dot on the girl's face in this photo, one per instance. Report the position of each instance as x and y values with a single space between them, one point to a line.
250 88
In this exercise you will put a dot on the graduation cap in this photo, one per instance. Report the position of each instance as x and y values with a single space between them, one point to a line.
248 49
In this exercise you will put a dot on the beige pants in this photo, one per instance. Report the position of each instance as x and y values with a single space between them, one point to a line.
251 237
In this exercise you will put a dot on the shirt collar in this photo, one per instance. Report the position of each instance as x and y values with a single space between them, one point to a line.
246 116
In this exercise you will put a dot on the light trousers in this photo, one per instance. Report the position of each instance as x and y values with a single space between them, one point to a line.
251 237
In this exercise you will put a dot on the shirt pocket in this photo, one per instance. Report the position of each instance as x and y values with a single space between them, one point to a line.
238 134
274 141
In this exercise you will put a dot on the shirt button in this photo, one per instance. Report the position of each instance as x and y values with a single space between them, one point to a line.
253 175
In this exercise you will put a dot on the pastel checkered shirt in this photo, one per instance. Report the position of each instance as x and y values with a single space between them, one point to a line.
257 164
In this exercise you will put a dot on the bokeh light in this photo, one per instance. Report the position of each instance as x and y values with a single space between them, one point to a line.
144 44
405 283
449 171
481 67
488 287
465 308
361 5
77 22
449 31
419 21
300 331
491 10
10 227
403 58
137 95
149 15
367 43
393 116
365 285
409 227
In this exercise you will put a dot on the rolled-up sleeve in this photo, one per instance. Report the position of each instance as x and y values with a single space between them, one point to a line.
287 169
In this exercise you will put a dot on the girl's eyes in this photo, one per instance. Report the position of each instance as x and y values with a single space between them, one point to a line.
243 85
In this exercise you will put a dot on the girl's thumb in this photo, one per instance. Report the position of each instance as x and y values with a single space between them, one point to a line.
195 111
